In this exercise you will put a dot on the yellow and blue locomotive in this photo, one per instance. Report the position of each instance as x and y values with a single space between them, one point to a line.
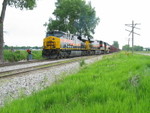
58 44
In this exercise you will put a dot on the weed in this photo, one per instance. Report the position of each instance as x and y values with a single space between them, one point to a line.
82 63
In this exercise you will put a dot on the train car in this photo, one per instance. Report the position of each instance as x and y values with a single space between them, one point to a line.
95 46
107 48
113 49
102 46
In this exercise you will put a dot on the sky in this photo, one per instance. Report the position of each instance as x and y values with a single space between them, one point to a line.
25 27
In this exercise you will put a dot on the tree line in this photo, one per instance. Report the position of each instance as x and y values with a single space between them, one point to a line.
135 48
21 47
128 48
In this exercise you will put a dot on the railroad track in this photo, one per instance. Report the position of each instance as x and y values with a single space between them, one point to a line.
20 71
33 61
23 62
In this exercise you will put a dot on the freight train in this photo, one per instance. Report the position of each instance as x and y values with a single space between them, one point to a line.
58 44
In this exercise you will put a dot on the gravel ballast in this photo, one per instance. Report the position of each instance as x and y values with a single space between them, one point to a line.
27 83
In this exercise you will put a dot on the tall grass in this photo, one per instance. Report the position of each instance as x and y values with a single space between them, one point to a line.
117 84
13 56
37 54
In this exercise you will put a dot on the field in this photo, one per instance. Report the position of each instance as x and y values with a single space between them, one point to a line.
117 84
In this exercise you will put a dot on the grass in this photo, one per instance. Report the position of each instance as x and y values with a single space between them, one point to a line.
13 56
117 84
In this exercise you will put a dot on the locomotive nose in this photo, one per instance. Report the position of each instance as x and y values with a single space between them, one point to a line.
52 42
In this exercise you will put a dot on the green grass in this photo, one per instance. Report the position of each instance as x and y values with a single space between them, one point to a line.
37 55
13 56
117 84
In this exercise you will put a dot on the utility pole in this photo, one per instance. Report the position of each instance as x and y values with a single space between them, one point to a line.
132 35
132 31
128 44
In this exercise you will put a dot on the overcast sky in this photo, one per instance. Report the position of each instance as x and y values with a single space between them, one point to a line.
25 28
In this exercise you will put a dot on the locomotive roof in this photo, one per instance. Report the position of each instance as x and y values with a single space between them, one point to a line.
56 31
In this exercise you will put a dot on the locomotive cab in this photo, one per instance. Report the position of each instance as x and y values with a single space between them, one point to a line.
107 47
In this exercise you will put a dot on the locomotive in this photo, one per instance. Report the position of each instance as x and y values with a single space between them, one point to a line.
59 44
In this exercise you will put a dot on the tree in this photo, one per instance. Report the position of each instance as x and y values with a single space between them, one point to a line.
135 48
126 47
28 4
74 16
116 44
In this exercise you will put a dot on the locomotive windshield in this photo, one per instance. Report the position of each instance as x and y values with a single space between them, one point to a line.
55 33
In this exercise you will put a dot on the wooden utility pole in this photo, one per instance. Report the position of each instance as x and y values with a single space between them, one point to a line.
128 44
132 31
132 35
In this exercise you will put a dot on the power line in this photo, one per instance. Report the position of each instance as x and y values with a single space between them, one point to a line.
133 25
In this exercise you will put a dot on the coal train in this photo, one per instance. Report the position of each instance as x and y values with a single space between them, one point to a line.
58 44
